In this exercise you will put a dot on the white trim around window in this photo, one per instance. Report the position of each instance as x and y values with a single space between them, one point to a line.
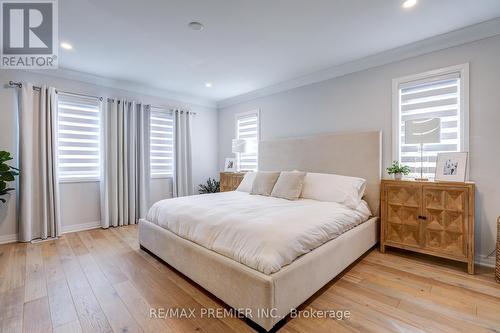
460 71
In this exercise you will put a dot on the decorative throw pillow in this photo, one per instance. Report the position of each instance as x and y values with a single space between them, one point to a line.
247 182
289 185
264 182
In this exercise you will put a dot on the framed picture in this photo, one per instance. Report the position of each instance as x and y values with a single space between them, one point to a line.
451 167
230 165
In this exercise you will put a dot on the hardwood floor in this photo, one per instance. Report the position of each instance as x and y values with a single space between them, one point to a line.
100 281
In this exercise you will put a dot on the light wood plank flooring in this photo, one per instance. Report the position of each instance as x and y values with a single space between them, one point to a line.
100 281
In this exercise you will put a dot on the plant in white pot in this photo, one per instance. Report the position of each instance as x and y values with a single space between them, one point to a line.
398 170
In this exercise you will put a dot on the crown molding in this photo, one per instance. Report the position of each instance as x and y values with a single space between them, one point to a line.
458 37
129 86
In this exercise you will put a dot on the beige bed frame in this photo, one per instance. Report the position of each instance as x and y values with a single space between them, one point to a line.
267 299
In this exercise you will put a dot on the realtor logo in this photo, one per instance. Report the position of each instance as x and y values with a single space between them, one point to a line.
29 34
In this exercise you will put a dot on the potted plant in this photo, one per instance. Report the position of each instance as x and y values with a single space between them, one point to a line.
212 186
7 174
398 170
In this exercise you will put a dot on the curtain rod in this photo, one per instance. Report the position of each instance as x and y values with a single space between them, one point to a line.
173 109
20 85
76 94
13 84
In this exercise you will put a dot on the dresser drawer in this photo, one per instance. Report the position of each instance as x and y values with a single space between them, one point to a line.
446 227
403 209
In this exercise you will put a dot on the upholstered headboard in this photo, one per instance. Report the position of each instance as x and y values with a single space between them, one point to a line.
357 154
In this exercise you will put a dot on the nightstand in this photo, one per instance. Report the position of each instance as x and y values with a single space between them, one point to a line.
229 181
435 218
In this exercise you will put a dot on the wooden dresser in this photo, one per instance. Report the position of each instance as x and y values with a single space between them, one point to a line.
229 181
435 218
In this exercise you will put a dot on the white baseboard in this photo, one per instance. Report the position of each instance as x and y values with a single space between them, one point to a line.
5 239
80 227
483 260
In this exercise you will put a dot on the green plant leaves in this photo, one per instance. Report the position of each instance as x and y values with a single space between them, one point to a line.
396 167
7 173
212 186
7 177
5 156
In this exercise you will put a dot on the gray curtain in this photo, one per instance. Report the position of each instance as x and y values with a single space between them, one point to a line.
38 190
125 162
182 183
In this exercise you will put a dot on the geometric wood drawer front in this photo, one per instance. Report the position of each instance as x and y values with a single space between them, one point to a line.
446 224
409 196
403 225
435 218
446 199
403 211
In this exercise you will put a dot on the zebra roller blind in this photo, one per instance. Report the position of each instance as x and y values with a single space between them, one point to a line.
162 143
78 138
247 128
433 97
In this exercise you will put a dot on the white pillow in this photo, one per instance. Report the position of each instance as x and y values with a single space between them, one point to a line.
345 190
247 182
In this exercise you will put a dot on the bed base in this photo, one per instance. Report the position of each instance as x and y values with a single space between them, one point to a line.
267 299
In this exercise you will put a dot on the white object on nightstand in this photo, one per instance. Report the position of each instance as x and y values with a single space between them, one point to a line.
421 131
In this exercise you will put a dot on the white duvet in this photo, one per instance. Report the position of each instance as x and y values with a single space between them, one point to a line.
264 233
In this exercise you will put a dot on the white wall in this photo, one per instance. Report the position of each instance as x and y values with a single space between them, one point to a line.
80 201
362 100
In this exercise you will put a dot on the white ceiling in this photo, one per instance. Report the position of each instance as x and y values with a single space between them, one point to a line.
246 44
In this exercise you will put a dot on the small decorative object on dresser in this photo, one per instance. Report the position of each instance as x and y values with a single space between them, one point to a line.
421 131
435 218
229 181
230 165
451 166
239 146
497 270
398 170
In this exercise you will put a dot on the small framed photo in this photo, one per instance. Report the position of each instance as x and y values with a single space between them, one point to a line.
230 165
451 167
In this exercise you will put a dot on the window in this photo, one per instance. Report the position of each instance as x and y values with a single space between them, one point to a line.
78 138
247 128
161 145
438 94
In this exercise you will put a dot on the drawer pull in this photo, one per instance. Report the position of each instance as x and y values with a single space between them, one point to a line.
422 217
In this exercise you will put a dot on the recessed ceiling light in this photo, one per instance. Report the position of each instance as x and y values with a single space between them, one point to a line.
208 84
409 3
196 26
66 46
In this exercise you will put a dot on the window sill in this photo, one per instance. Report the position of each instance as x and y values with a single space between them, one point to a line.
69 181
162 177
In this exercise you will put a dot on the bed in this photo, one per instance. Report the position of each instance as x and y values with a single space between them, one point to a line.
204 236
